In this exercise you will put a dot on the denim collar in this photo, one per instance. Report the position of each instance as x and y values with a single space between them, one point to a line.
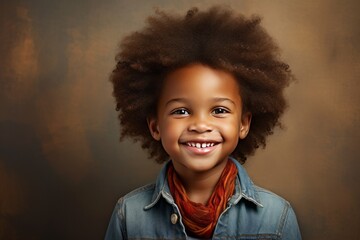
244 188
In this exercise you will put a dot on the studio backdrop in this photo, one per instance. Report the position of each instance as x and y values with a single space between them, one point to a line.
62 167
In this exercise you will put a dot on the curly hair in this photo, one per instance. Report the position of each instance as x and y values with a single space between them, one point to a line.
218 38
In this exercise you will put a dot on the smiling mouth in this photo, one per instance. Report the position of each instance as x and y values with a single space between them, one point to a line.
200 145
200 148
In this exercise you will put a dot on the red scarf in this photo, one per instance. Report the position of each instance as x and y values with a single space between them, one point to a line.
199 219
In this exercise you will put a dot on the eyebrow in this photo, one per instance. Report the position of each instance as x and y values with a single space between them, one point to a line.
216 100
219 99
176 100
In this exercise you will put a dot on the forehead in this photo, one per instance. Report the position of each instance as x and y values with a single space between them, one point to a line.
200 82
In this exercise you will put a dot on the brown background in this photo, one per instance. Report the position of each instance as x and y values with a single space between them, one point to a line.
61 165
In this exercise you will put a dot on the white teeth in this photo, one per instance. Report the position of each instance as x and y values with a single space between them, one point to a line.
200 145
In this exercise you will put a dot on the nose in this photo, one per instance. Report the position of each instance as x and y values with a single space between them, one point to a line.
200 123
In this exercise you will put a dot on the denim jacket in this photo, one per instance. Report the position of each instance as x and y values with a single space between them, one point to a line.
150 212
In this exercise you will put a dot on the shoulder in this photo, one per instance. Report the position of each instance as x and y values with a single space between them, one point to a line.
272 204
137 198
278 211
270 199
132 203
139 192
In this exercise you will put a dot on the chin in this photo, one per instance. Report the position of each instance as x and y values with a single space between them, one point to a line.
203 166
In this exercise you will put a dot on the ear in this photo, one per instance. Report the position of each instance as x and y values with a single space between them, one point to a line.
245 125
153 127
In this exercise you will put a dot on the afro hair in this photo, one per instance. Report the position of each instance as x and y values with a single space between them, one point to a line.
218 38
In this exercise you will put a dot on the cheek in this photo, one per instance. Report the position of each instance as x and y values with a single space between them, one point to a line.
170 132
231 136
231 129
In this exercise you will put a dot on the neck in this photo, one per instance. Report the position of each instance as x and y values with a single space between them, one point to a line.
200 185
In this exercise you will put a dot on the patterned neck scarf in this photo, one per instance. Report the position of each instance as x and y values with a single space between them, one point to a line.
199 219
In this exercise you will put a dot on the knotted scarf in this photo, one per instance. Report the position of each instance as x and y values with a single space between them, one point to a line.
199 219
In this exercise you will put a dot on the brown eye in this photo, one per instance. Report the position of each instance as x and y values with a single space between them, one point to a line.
181 111
220 111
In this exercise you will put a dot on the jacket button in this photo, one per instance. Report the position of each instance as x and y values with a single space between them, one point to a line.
174 218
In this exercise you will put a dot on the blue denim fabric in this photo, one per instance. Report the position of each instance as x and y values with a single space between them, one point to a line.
150 212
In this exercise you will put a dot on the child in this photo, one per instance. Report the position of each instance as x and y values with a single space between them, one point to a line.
201 93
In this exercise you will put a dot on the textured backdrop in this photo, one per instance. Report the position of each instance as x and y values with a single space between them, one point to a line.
62 167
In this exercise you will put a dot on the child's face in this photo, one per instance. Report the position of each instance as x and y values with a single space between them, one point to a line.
199 119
